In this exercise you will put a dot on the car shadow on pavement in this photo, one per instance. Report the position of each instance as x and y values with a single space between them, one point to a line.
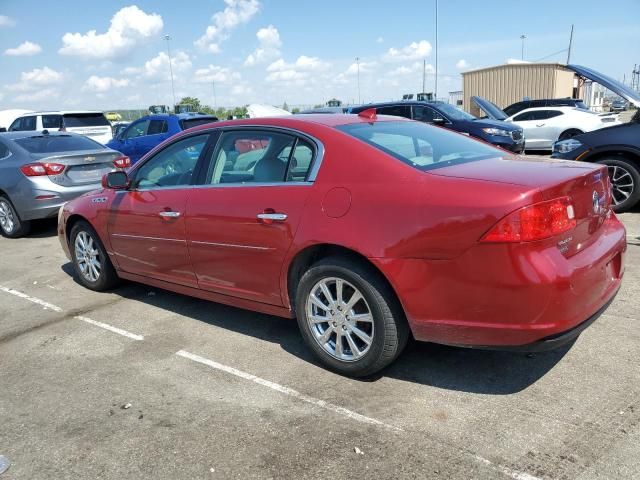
43 228
452 368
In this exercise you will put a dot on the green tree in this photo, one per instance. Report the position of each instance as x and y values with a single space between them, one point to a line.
285 106
193 101
295 110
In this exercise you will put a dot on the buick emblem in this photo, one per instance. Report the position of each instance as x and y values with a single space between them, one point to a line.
596 203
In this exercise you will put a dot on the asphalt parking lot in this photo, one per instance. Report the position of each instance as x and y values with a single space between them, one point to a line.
143 383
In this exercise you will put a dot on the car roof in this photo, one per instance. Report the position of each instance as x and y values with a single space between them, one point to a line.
399 102
59 112
552 107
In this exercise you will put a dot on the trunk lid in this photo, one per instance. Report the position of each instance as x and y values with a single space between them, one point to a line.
545 179
81 167
490 108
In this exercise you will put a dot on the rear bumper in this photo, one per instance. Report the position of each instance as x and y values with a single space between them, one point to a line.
513 296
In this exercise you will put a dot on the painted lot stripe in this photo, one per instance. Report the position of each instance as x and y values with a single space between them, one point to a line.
286 390
55 308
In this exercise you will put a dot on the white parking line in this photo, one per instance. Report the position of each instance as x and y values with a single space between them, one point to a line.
286 390
55 308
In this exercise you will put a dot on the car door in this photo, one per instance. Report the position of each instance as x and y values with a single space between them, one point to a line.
147 224
527 120
242 220
155 134
550 125
129 141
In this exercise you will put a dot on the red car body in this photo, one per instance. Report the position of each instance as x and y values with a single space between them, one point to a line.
423 231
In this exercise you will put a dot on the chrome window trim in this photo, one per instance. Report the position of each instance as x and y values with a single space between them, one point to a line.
140 237
230 245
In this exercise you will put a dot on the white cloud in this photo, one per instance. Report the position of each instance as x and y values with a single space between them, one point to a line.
462 64
241 90
36 78
413 51
158 66
24 49
44 94
103 84
236 13
415 67
268 48
214 73
379 40
129 26
365 67
6 21
297 73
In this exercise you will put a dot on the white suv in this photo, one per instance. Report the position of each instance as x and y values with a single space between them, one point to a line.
90 124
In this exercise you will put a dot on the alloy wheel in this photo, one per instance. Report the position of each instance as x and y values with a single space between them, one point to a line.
340 319
88 256
621 182
7 222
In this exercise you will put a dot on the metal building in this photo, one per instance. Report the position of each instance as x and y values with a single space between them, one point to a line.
510 83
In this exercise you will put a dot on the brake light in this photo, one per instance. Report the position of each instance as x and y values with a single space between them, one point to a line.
534 222
40 169
122 162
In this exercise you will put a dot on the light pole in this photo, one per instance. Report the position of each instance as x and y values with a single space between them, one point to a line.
213 84
435 90
522 37
173 90
358 69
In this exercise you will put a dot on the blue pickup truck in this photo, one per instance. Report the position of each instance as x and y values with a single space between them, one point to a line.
147 132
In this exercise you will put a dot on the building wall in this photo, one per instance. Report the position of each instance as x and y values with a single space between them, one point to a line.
507 84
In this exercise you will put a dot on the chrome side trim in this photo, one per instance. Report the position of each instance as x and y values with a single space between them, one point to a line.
230 245
139 237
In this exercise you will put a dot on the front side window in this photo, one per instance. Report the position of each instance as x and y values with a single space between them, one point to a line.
424 114
172 166
23 124
138 129
419 145
259 157
524 117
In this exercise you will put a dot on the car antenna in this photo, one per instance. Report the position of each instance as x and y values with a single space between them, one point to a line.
369 113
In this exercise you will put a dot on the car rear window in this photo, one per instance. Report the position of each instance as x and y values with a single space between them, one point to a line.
85 120
57 143
194 122
421 146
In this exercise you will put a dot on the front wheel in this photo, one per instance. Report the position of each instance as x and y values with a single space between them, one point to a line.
90 260
349 317
625 183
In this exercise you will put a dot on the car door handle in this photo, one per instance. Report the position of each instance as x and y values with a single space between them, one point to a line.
169 214
539 124
272 217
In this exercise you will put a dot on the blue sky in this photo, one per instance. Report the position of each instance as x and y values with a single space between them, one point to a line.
271 51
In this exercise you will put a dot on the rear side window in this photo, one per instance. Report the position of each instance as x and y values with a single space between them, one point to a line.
4 151
72 120
57 143
157 126
52 121
419 145
194 122
395 110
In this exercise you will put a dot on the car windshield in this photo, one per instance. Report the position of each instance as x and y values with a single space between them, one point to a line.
72 120
454 113
57 143
419 145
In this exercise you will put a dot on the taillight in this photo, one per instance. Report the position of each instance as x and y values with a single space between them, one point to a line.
534 222
122 162
40 169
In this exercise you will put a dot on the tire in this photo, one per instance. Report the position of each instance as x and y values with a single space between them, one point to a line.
381 318
569 133
625 179
10 224
94 270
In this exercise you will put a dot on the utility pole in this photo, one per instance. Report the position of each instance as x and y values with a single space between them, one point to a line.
213 85
424 74
358 68
522 37
570 42
173 90
435 90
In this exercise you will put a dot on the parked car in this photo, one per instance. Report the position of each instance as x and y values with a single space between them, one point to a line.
113 116
41 171
543 126
545 102
146 133
367 229
326 110
90 124
8 116
618 106
501 134
616 147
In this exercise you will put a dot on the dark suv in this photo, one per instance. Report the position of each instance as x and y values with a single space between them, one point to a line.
502 134
546 102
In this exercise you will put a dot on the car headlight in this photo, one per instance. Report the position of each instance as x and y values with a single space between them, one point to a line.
497 131
565 146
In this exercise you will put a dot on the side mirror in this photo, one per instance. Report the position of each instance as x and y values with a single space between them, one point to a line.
439 121
115 181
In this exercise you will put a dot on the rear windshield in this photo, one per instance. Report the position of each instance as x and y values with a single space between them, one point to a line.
57 143
421 146
194 122
85 120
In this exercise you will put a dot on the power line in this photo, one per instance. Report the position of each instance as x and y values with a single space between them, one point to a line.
551 55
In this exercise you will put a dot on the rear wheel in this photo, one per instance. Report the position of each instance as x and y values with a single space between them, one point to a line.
90 260
349 317
625 182
569 133
10 224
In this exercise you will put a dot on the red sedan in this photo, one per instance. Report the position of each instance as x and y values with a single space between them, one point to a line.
366 229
